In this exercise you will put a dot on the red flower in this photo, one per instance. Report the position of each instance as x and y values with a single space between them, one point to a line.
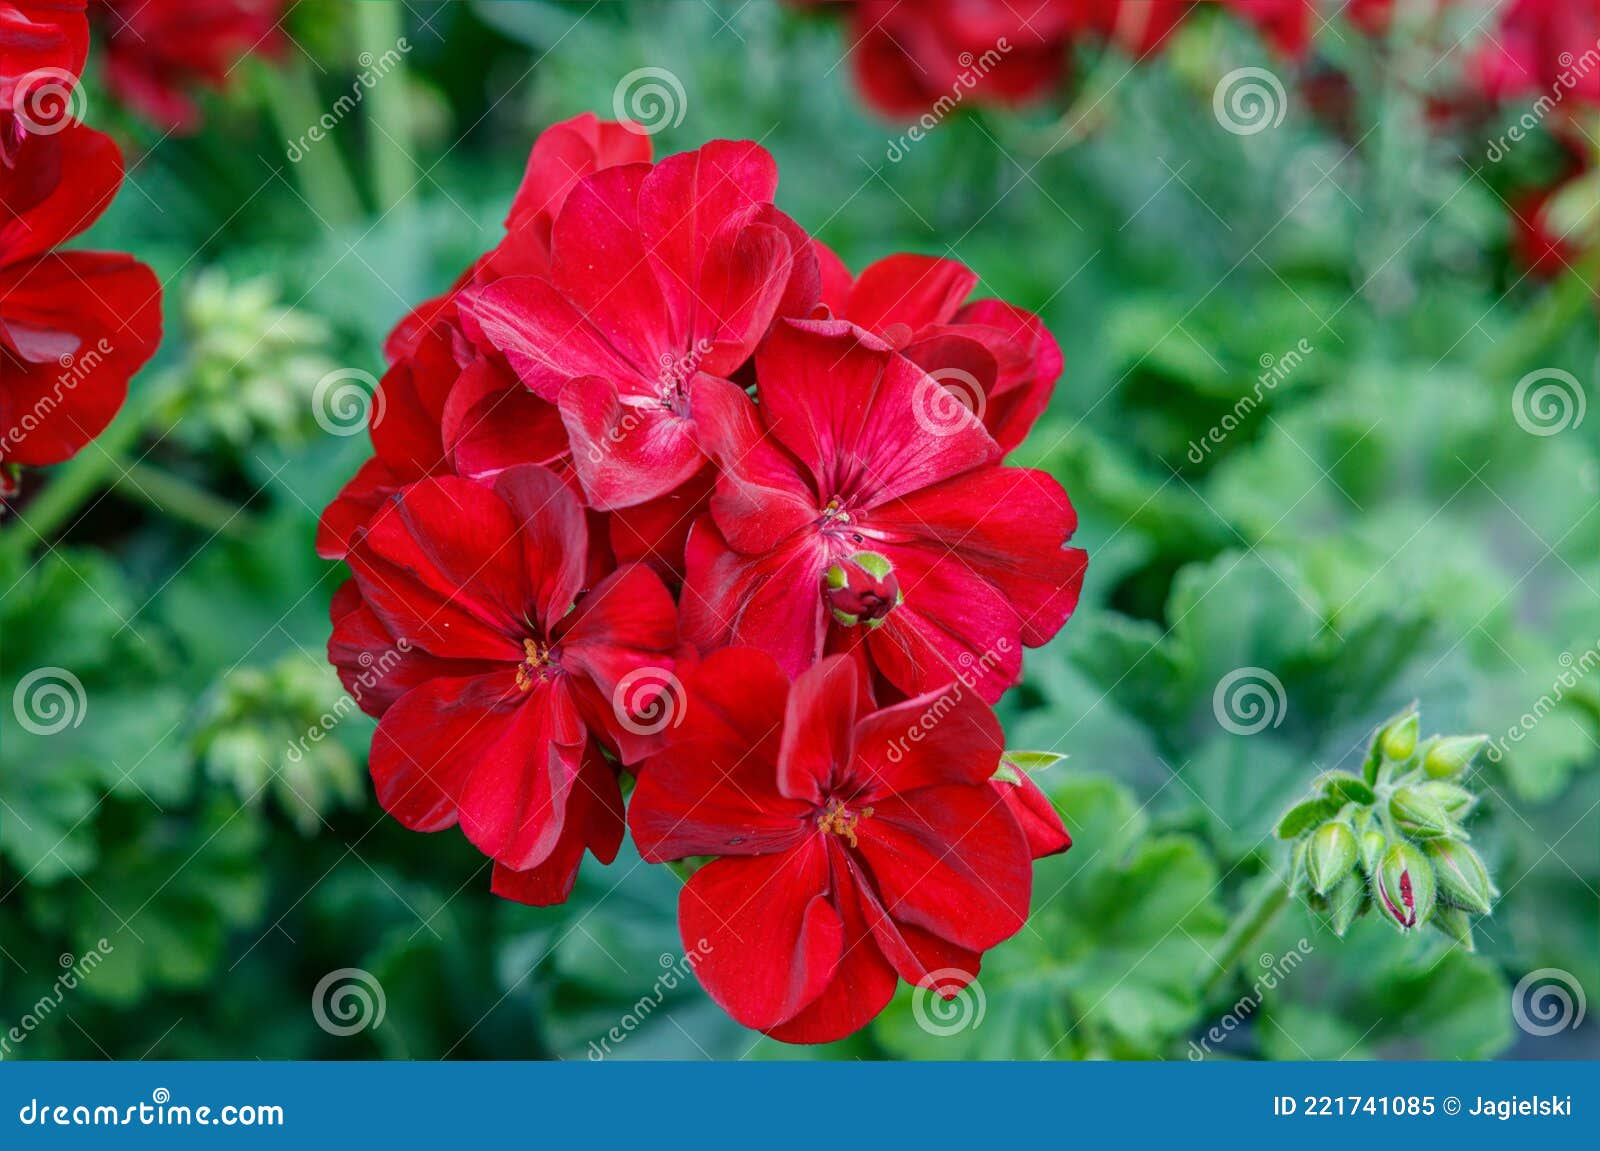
996 359
42 48
1536 243
1286 25
74 326
852 450
854 846
909 57
1539 49
492 685
1137 27
660 277
158 51
424 424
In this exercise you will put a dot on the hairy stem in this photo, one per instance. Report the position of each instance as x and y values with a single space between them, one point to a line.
1253 919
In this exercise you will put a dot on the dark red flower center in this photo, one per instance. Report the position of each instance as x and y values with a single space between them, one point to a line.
838 819
538 664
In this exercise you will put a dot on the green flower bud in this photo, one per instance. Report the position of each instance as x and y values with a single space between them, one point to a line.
1345 902
1405 886
1419 816
1451 755
1456 800
1463 880
1400 738
1455 923
1373 845
1330 855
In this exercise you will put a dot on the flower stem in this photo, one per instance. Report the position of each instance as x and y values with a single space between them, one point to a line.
389 148
323 178
178 499
1255 917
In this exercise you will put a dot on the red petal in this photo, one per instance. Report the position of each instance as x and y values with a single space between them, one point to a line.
945 737
593 823
60 184
863 982
912 290
769 939
819 728
840 403
554 541
714 790
1036 815
950 860
625 454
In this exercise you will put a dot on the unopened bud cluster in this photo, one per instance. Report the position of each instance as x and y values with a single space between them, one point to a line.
1391 838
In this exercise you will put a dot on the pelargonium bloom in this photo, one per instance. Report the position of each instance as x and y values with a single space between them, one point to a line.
851 452
74 326
660 277
500 670
853 846
158 51
996 359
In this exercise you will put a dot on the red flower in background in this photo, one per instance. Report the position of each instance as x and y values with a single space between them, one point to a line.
849 852
907 56
997 359
43 44
660 277
500 670
854 451
1538 49
74 326
158 51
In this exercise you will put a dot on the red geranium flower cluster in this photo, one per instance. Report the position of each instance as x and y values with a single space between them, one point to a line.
74 326
661 492
159 51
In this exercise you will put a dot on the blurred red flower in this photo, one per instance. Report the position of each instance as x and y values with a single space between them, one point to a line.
157 52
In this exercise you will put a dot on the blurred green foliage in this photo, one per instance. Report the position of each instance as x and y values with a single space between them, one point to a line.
1379 528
